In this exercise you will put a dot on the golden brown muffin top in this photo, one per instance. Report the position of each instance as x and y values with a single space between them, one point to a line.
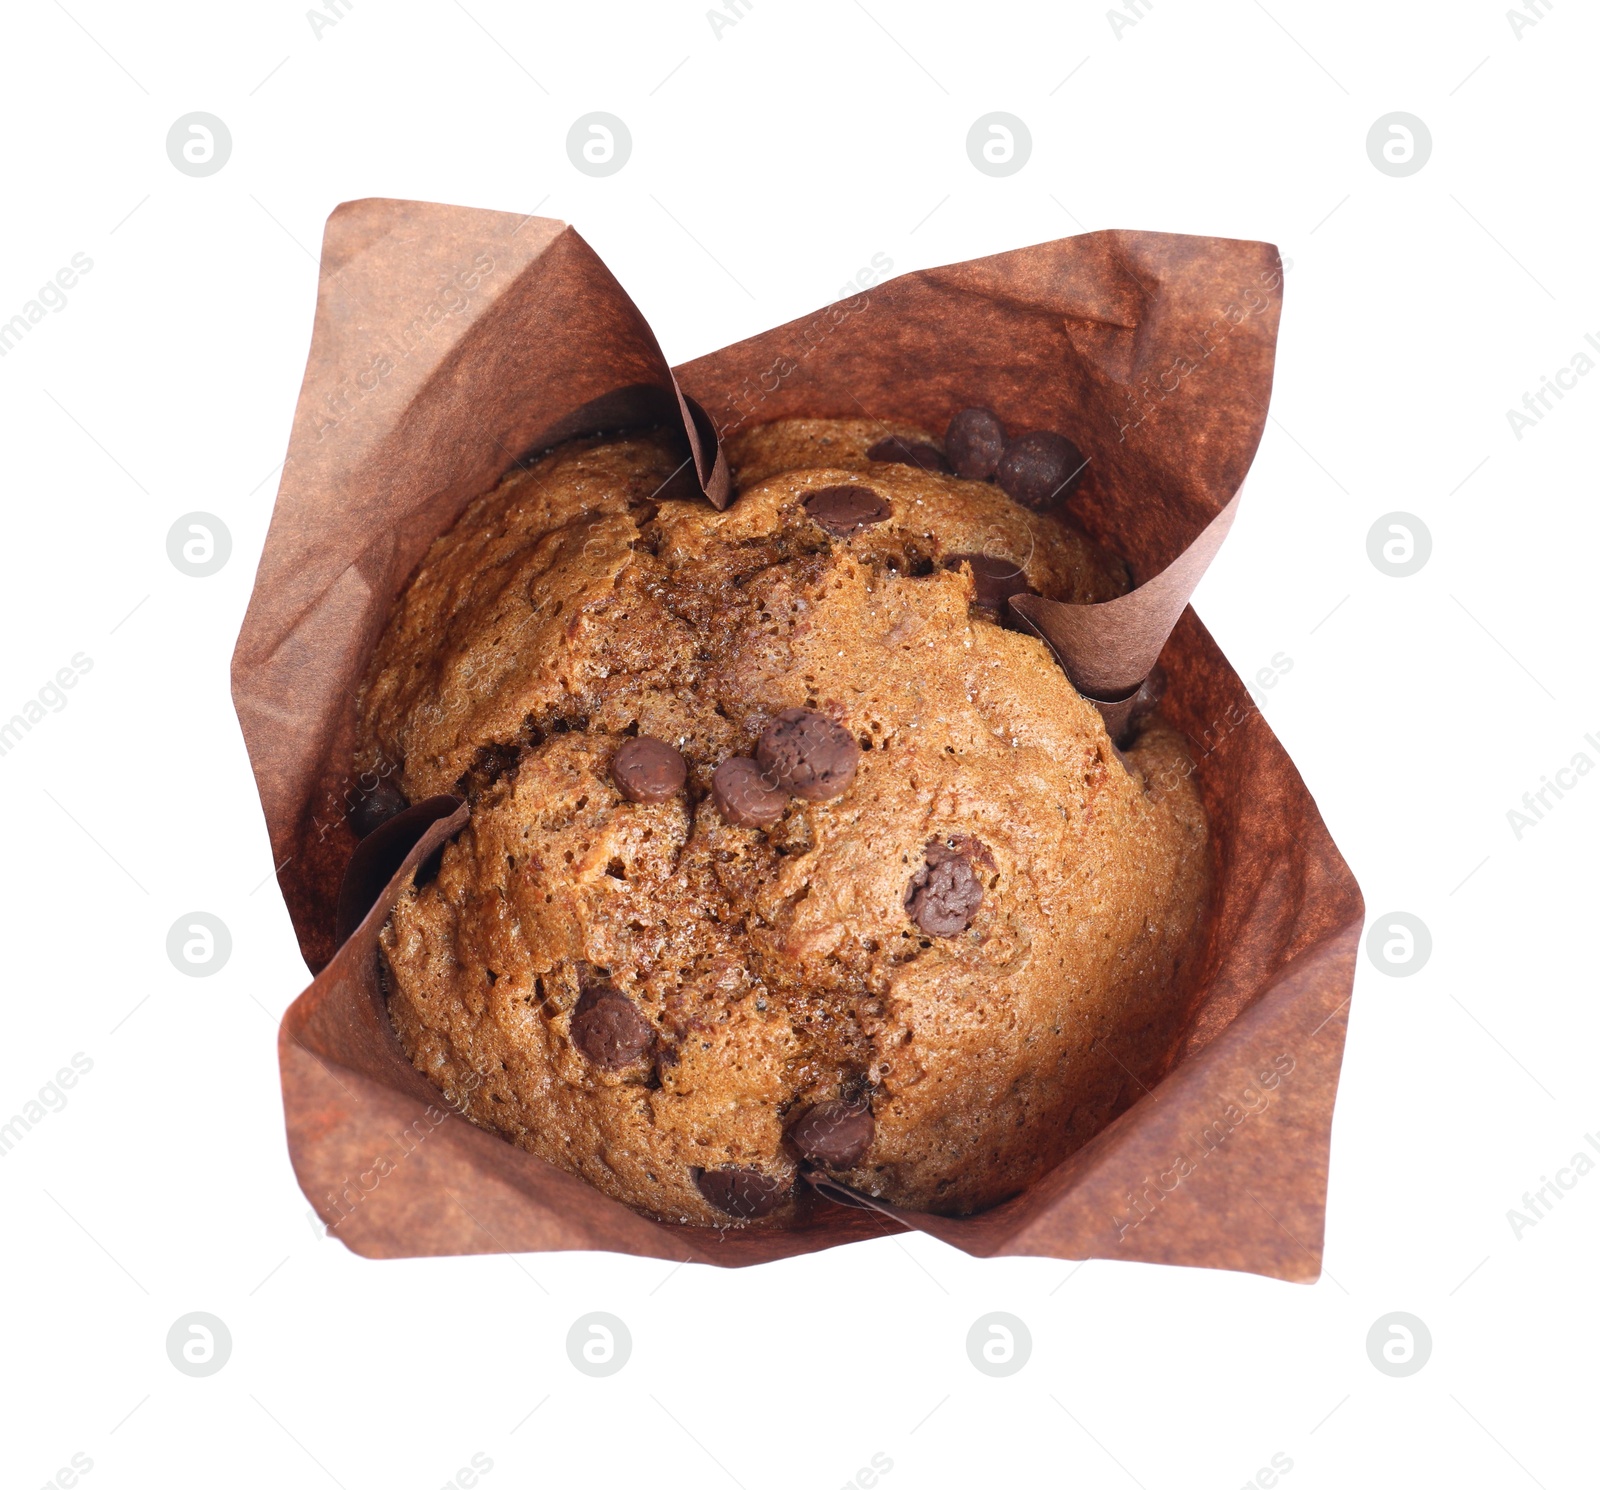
500 628
573 610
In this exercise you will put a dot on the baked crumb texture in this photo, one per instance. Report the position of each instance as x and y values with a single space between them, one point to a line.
767 970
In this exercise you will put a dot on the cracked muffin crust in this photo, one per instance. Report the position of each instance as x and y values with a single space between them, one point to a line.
783 849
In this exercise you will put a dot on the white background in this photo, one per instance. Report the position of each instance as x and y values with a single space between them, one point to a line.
771 163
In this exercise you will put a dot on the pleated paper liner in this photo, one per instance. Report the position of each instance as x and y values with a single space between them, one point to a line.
448 344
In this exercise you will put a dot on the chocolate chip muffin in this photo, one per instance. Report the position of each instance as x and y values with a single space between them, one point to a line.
784 850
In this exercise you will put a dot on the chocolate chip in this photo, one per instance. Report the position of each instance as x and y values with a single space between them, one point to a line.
909 453
945 893
944 903
835 1135
975 441
745 1193
383 802
994 580
844 510
608 1027
809 755
1039 468
648 770
745 795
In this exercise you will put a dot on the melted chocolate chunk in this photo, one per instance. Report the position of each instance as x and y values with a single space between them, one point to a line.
808 755
843 510
491 763
383 802
835 1135
975 441
909 453
944 895
994 580
745 795
1040 468
648 770
608 1027
745 1193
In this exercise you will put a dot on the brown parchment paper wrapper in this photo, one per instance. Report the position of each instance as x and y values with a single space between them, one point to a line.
449 342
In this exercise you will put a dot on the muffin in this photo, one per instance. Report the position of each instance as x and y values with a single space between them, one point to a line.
785 852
